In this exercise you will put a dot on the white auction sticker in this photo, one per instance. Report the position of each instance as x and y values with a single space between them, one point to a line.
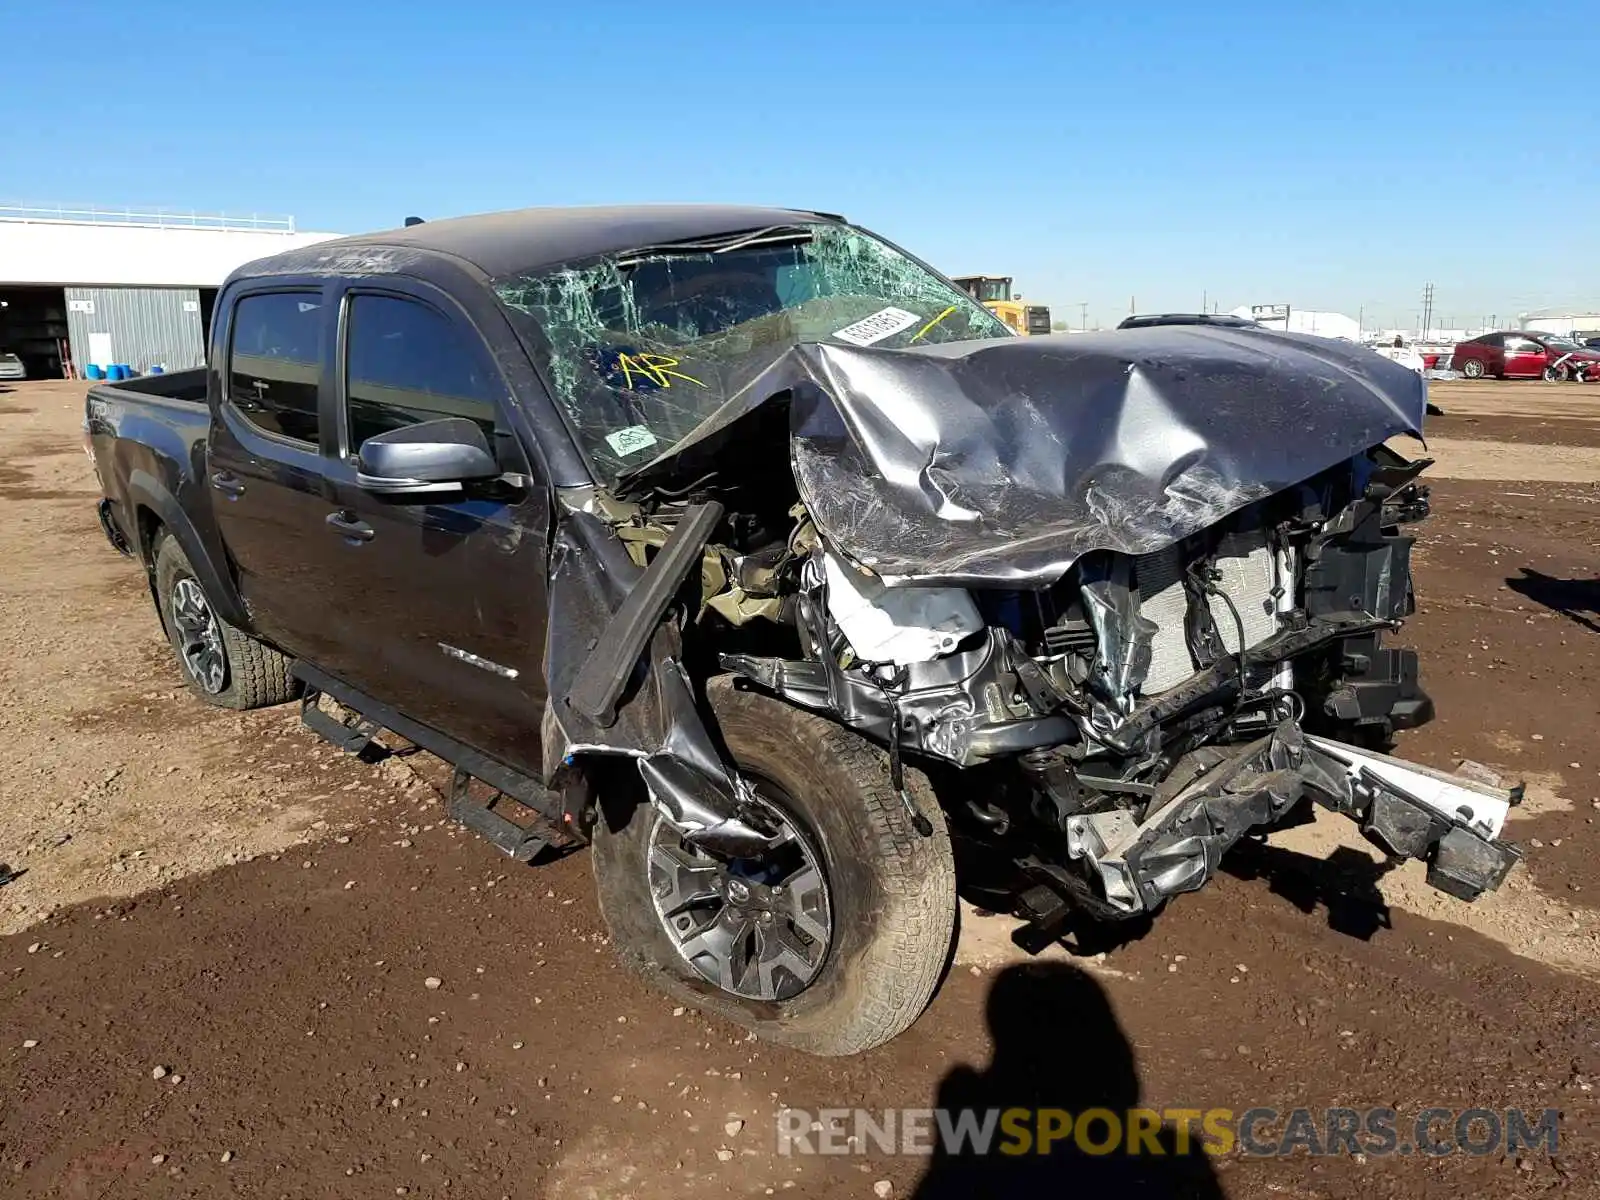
881 324
631 440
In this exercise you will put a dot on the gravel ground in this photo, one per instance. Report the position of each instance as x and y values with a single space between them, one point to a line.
215 974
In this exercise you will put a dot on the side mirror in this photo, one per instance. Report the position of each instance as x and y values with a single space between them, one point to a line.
431 456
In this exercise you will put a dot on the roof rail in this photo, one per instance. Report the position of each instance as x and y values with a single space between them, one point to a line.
144 218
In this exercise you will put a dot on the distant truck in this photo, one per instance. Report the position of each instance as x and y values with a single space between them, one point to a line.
994 293
744 546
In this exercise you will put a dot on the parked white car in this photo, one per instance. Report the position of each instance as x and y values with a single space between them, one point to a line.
1406 356
11 366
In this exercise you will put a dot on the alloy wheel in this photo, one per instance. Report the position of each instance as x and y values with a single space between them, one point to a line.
199 636
756 927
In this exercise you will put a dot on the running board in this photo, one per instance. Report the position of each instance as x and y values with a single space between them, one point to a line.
488 818
520 815
354 734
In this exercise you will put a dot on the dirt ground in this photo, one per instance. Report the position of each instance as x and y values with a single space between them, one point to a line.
212 974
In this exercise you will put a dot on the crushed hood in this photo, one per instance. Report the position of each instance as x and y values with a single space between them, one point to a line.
1003 461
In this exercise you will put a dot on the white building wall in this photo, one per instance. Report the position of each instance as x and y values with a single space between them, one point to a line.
1305 320
1565 325
67 252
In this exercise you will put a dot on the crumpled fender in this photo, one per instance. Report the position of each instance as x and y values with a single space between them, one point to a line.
656 721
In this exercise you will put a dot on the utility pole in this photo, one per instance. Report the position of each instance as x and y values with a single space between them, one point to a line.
1083 316
1427 309
1205 299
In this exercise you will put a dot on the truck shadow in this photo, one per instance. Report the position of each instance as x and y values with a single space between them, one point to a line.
1576 599
1058 1053
1345 883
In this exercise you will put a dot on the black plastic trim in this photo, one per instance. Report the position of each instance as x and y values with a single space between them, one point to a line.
604 675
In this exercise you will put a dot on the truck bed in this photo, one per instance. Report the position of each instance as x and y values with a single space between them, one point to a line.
147 437
186 387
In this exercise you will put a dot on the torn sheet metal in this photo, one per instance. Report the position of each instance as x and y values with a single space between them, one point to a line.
1407 810
658 723
1002 461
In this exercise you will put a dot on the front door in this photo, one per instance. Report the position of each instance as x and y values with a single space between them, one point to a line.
1525 358
449 589
264 462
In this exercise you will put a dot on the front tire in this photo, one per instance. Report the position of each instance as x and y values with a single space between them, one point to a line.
887 894
222 665
1472 369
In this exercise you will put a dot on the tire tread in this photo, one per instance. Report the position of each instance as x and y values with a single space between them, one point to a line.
258 675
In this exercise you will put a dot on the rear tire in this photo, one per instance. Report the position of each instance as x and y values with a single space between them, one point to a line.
1472 369
222 665
891 891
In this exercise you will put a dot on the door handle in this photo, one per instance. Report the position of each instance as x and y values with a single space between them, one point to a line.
228 484
350 527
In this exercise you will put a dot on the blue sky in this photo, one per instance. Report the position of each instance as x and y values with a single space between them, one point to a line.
1327 155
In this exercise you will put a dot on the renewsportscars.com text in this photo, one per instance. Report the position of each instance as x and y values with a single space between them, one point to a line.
1262 1132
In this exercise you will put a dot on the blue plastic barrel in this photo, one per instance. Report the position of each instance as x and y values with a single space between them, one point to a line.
158 369
94 372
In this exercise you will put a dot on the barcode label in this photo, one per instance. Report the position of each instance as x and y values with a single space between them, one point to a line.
881 324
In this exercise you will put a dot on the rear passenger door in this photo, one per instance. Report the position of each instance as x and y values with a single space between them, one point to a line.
264 460
450 588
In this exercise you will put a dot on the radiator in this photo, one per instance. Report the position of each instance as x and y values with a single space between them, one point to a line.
1245 562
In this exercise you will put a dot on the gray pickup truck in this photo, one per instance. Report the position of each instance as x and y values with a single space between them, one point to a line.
744 546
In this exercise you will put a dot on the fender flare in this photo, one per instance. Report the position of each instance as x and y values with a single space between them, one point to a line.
146 491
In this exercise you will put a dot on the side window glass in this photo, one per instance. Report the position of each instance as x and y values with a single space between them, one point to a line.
275 362
407 363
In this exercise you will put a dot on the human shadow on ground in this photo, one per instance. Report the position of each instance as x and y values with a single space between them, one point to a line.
1576 599
1057 1046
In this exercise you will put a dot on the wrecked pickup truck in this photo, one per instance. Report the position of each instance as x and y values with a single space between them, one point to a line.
744 546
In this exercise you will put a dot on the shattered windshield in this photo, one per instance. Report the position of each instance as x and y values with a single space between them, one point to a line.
644 345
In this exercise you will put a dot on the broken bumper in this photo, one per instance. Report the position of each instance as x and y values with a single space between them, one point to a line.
1408 811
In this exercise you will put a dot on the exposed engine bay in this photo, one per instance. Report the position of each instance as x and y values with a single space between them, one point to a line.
1128 595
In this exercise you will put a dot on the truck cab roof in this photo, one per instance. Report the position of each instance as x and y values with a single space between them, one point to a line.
525 239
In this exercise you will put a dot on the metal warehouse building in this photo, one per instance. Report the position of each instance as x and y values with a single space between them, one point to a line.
131 287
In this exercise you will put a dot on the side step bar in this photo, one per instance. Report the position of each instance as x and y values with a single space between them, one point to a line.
354 736
487 817
545 820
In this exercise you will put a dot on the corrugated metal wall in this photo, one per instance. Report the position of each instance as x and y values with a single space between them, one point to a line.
142 327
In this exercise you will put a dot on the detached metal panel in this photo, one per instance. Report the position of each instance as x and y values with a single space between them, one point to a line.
141 327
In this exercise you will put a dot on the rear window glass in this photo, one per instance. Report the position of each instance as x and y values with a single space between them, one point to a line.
275 363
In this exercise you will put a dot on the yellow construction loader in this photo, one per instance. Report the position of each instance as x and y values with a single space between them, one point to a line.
994 293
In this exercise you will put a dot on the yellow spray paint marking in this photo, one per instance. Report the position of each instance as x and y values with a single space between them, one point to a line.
932 323
655 368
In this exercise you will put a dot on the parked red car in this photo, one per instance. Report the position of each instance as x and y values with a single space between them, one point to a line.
1525 355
